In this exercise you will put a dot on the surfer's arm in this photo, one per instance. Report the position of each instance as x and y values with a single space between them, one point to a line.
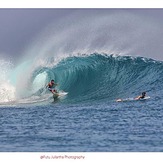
137 98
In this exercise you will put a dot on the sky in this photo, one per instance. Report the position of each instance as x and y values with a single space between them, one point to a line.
19 27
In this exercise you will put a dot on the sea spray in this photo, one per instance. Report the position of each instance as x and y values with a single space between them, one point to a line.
7 90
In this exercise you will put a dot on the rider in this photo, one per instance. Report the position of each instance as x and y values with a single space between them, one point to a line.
51 86
137 98
141 97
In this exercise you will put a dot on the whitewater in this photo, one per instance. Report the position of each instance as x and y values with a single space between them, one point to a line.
96 59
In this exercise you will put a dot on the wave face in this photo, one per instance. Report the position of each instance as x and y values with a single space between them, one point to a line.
97 76
92 77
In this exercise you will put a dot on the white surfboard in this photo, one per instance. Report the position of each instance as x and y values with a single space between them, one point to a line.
59 94
145 98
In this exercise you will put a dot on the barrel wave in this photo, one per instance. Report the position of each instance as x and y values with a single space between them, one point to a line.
91 77
97 77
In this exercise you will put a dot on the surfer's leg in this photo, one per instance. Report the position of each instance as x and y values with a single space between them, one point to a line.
119 100
51 90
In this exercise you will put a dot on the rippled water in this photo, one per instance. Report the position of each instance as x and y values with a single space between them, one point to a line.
102 126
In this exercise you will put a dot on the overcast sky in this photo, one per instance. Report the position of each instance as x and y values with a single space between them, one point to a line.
18 27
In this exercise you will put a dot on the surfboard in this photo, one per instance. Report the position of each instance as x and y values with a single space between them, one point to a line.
132 99
145 98
59 94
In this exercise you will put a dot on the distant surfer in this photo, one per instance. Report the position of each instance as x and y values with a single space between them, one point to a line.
51 86
141 97
137 98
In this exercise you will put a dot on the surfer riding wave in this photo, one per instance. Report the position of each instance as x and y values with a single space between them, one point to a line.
51 86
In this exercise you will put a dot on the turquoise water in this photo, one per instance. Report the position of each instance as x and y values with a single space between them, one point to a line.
88 118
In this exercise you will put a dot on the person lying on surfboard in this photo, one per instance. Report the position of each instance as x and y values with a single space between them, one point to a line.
141 97
51 86
137 98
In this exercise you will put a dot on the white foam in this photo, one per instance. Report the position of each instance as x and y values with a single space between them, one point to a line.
7 90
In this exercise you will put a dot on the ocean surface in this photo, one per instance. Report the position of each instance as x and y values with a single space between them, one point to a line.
88 118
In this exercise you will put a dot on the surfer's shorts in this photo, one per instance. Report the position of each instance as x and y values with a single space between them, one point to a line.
51 89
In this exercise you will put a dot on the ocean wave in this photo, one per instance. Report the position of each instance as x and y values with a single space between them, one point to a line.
90 77
102 76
